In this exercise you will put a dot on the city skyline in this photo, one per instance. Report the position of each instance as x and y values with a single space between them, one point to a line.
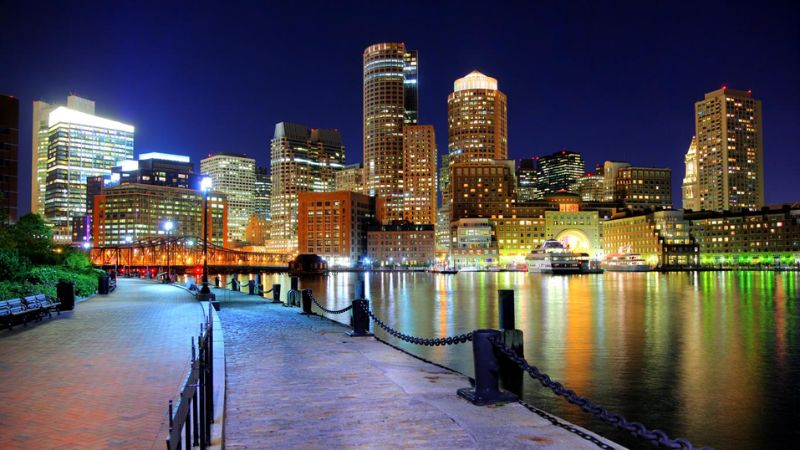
646 118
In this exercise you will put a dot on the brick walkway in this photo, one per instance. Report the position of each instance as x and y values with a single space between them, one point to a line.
100 376
299 382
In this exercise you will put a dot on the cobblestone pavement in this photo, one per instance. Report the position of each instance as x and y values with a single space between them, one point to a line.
299 382
101 375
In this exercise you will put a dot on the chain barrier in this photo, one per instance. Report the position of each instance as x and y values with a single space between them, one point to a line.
637 429
330 311
452 340
572 429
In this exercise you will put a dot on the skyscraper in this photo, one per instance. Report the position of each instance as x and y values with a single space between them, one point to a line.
303 160
235 176
351 178
9 155
79 145
558 171
690 187
263 193
527 190
730 149
159 169
390 74
419 174
476 115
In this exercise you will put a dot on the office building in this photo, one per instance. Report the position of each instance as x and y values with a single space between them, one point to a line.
390 96
591 186
482 189
403 245
351 178
476 117
473 243
79 145
258 230
558 171
302 160
662 238
334 225
730 160
235 176
643 187
690 187
419 174
263 194
610 170
527 189
9 157
158 169
139 211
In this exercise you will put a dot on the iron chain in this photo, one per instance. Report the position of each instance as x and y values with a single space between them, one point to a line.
451 340
572 429
637 429
330 311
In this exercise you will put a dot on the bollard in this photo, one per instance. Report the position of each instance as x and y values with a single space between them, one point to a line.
359 288
235 282
487 390
259 285
251 287
306 302
294 283
216 281
360 319
511 376
276 293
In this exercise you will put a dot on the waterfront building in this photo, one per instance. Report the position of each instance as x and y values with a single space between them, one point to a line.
517 237
235 176
610 170
730 167
350 178
591 186
527 189
768 237
79 145
40 137
690 187
390 100
662 238
159 169
139 211
473 243
558 171
9 156
483 188
334 225
405 245
263 194
419 174
302 160
643 187
442 231
579 231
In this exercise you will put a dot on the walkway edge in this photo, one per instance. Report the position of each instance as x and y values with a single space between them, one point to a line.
218 427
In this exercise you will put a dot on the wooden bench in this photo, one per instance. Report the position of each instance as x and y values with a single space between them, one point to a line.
22 310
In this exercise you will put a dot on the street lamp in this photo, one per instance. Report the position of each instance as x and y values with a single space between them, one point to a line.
128 241
168 225
205 186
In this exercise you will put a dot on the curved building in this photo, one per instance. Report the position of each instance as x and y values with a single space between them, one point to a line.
477 125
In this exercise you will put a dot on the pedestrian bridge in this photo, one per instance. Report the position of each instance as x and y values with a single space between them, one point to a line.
183 253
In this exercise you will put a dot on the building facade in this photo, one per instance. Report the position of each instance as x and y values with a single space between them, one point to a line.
9 157
235 176
334 225
263 194
139 211
350 178
482 189
690 187
419 174
591 186
558 171
643 187
390 100
730 151
158 169
403 245
79 145
663 238
527 188
302 160
473 243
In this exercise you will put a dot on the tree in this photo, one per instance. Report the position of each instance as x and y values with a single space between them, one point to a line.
33 239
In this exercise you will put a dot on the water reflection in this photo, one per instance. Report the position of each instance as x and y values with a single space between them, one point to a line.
712 356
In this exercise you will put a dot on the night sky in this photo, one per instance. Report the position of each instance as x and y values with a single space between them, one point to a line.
612 82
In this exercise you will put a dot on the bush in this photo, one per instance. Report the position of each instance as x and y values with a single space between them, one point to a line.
12 266
85 280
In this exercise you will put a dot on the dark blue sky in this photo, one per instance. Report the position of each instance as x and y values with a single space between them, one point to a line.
612 81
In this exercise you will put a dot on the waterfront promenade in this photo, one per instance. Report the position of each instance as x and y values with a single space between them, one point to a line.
299 382
99 376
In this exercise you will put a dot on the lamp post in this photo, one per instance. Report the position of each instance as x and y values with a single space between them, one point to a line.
168 228
129 240
205 292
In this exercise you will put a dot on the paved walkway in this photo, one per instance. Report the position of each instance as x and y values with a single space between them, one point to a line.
300 382
100 376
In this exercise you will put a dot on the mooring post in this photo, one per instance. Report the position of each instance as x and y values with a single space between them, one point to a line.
259 285
511 375
487 383
276 293
294 283
235 282
216 281
360 318
306 302
251 287
359 289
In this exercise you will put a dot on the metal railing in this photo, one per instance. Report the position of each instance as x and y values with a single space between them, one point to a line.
190 421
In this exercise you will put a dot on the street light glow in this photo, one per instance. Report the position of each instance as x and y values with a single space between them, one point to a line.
168 225
205 184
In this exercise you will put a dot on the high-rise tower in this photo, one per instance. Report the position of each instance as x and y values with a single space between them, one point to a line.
9 155
419 174
690 188
730 149
390 101
235 176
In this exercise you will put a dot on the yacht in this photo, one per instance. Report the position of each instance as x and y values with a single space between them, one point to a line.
626 262
553 257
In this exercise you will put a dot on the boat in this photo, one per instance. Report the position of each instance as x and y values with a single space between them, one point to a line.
626 262
308 264
443 269
553 257
588 264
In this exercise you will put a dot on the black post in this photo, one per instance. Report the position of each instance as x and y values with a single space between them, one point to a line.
205 292
294 283
235 282
511 375
103 285
306 302
259 285
65 291
276 293
216 281
360 291
487 390
251 287
360 319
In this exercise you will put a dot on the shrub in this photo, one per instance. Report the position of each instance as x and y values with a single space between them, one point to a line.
85 281
12 266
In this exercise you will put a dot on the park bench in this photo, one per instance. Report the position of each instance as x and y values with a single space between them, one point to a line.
21 310
45 304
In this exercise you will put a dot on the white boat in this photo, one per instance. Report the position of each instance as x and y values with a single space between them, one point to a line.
626 262
553 257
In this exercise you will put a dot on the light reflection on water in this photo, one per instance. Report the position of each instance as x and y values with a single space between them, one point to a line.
711 356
